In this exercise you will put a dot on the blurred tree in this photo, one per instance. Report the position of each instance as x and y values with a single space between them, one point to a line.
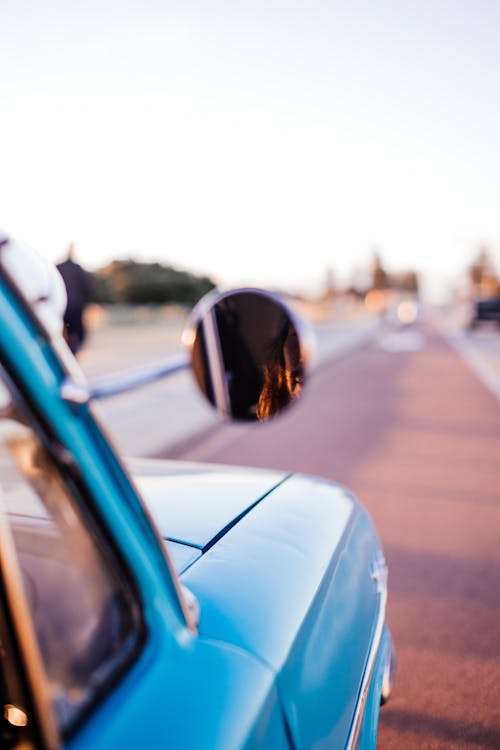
406 281
379 275
482 267
133 282
355 292
329 286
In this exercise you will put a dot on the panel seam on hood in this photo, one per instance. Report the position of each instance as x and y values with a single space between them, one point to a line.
238 518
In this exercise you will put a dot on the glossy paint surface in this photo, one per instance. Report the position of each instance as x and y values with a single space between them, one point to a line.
291 584
194 503
195 695
256 585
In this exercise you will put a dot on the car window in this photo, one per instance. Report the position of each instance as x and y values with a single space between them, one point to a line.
84 612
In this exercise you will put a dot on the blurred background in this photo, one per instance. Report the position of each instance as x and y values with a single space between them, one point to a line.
264 143
345 155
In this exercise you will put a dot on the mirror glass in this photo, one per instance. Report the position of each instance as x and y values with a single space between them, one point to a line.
248 357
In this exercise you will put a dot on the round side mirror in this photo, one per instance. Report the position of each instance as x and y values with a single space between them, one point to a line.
248 353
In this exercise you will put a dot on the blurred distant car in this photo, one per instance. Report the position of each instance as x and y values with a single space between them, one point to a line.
485 310
168 605
401 313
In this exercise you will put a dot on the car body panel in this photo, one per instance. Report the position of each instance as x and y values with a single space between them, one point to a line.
291 584
272 561
344 612
192 694
319 545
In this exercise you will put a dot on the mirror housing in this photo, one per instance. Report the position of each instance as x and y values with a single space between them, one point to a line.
249 352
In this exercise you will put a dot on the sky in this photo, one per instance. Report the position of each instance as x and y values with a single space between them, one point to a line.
258 142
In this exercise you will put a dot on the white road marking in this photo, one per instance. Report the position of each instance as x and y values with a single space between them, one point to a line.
483 360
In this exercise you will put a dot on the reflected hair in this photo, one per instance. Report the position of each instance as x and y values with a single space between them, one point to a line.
277 389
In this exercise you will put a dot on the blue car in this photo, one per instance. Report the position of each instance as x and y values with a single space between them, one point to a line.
157 604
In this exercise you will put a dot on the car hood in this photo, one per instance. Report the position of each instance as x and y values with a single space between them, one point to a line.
194 505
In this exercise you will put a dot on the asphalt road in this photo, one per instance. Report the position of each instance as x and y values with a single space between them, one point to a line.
410 428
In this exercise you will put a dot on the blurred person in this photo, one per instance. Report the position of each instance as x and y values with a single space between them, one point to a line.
283 373
79 291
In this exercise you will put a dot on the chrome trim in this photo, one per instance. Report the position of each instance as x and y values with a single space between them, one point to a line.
388 679
192 606
112 385
73 392
378 571
216 363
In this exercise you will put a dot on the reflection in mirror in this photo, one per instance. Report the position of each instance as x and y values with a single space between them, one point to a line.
247 355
